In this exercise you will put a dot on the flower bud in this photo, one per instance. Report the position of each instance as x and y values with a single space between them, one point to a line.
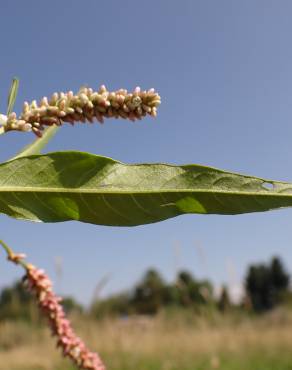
44 101
3 119
25 107
54 98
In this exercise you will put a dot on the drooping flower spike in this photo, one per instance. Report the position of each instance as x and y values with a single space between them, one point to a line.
39 284
86 106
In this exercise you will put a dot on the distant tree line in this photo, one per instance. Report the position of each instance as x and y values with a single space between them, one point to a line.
266 286
152 293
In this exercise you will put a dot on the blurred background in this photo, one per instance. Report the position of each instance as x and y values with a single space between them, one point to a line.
184 324
193 292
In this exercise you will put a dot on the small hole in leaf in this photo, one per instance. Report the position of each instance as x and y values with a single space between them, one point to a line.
268 185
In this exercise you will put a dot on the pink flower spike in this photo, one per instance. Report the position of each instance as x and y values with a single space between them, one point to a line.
72 346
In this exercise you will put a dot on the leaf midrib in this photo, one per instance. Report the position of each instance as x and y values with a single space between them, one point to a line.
156 191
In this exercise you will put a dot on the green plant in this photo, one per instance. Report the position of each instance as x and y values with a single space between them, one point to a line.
85 187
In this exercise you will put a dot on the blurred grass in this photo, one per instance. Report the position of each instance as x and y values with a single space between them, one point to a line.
170 341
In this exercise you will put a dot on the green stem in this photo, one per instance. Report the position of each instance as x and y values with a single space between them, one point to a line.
10 254
2 131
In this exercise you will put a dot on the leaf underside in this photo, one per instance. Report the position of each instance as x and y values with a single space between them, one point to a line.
65 186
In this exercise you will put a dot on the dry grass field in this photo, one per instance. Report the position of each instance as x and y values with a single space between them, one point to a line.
167 342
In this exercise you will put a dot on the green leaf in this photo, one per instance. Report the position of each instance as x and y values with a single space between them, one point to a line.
38 144
78 186
12 95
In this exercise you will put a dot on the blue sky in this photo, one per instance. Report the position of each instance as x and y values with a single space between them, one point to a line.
224 73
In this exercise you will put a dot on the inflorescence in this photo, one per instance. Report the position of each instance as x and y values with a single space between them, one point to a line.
72 346
86 106
39 284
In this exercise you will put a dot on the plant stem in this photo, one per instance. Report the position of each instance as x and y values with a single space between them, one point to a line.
13 257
